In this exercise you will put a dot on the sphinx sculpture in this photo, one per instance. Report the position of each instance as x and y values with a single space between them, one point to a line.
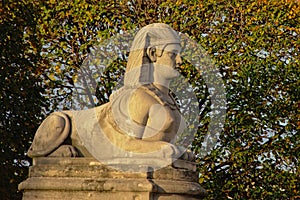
140 117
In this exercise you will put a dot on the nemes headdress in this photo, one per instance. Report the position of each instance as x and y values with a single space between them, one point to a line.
139 70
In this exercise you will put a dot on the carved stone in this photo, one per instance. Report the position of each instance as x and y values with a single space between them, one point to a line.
124 149
141 117
87 178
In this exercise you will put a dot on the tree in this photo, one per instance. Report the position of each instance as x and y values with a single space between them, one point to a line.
255 45
21 99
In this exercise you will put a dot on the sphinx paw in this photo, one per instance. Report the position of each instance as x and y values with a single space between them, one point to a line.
188 156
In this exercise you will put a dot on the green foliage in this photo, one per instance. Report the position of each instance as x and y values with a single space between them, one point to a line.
21 101
255 45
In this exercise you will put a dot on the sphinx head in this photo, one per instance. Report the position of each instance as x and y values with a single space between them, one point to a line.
154 55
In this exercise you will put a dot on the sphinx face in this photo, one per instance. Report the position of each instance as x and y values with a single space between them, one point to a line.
165 64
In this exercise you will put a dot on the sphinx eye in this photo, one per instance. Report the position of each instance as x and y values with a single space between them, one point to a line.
172 55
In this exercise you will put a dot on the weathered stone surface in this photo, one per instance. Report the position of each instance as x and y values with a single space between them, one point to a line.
86 178
127 148
90 195
141 118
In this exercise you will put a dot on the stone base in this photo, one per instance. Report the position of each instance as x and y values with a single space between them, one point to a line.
86 178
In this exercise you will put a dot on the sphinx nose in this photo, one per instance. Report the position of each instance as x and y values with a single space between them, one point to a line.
178 59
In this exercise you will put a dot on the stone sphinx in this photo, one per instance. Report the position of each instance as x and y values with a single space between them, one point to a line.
140 118
126 148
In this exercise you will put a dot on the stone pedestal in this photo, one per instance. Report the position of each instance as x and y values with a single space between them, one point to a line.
86 178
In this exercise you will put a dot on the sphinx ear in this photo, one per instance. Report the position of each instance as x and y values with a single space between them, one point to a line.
151 53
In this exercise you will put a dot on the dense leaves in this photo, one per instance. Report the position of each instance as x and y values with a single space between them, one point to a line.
254 44
21 100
